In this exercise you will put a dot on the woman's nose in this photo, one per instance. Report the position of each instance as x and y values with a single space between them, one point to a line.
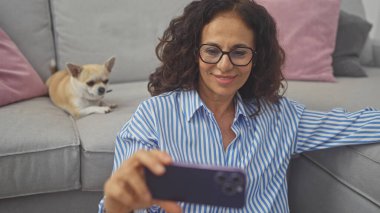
225 63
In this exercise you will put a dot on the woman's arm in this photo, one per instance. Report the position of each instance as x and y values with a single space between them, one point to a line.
320 130
136 148
126 189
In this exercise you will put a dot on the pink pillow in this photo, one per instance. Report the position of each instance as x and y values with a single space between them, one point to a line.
307 32
18 80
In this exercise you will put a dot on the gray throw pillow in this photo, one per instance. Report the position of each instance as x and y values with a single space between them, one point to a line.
351 36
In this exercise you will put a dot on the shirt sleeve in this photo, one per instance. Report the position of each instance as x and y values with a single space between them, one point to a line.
320 130
138 133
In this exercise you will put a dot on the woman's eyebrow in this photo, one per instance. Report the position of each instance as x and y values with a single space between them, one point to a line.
233 47
240 45
212 44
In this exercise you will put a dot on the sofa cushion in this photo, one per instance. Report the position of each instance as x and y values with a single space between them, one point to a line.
19 81
98 133
307 31
28 24
356 7
352 34
39 149
83 36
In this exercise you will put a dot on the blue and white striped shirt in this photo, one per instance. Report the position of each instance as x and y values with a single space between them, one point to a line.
179 123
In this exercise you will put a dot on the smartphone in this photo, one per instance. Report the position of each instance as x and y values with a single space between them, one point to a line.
211 185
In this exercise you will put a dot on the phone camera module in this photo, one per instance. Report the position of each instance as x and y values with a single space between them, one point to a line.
230 183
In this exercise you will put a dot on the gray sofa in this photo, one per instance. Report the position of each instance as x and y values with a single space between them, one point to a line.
52 163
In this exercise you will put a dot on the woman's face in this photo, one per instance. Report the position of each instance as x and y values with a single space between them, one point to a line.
223 79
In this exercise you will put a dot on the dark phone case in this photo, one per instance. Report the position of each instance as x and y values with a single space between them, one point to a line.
221 186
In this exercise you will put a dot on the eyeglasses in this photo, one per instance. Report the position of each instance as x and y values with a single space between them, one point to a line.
240 56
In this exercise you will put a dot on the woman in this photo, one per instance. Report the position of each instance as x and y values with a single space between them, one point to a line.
217 100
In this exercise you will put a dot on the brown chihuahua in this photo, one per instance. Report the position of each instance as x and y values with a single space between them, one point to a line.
79 89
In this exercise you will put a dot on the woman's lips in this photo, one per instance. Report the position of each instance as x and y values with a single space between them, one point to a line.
224 79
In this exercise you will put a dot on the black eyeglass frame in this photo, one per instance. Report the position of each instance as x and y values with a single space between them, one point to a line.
254 53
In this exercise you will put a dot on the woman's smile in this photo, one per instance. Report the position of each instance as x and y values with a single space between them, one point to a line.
225 79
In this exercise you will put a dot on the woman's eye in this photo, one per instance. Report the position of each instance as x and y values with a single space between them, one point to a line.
239 53
90 83
212 51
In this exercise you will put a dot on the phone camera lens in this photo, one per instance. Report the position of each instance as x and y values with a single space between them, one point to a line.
220 178
228 189
236 179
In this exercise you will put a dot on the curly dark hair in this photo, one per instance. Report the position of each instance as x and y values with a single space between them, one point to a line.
178 50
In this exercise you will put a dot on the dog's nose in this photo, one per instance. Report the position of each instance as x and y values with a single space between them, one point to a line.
101 90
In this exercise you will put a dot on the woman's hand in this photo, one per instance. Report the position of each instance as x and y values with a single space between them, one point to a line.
126 189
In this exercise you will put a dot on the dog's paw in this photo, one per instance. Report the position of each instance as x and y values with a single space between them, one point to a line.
95 109
99 109
113 106
106 109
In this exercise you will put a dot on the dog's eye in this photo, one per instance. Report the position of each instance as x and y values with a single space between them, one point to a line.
90 83
105 81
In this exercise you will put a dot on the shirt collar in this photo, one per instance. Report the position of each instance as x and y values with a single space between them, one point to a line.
192 102
240 106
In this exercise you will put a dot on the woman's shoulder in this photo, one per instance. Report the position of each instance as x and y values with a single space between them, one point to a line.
284 101
164 100
282 105
164 96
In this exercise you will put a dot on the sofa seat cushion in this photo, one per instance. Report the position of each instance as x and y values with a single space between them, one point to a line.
98 133
39 149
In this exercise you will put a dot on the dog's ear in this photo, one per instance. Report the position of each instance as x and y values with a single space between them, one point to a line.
74 69
109 63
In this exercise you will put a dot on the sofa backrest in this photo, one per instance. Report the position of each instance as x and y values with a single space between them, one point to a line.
92 31
355 7
28 24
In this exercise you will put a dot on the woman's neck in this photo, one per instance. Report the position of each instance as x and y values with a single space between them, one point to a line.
219 105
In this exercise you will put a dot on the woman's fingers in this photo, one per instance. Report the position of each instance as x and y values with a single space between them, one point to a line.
117 199
154 160
126 188
136 184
